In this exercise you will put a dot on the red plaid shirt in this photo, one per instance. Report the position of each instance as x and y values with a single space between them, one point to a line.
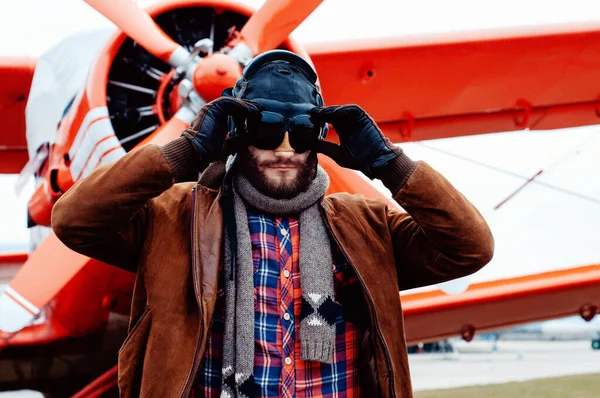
278 298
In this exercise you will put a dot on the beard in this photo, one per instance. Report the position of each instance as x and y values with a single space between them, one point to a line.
250 167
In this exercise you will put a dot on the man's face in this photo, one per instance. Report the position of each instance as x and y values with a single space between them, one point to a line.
280 173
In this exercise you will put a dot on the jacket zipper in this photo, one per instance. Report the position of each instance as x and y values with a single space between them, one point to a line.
371 302
187 386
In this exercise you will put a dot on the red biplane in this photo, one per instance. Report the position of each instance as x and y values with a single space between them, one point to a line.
63 316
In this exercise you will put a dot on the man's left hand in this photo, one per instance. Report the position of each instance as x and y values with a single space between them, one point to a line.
362 146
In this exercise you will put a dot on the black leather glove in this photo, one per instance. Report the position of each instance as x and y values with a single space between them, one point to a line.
362 146
208 131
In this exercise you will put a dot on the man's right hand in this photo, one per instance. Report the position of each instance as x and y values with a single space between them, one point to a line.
209 129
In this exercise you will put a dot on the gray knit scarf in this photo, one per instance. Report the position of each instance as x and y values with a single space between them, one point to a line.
317 322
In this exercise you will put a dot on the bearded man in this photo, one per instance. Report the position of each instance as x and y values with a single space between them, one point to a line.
251 281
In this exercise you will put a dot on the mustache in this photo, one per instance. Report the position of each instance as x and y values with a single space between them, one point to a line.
282 163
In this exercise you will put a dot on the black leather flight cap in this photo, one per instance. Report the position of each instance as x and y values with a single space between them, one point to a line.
279 75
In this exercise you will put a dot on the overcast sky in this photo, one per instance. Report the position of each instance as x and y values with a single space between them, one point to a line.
31 26
544 227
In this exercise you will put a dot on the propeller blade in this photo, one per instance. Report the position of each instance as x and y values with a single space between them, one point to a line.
52 265
170 130
47 270
274 21
138 25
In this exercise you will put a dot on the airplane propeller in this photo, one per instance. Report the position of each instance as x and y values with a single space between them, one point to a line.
206 78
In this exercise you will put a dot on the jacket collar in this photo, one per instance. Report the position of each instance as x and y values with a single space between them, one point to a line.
212 176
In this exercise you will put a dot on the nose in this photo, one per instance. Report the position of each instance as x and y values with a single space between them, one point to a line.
285 150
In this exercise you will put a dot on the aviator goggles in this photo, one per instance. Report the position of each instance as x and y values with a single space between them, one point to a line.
277 118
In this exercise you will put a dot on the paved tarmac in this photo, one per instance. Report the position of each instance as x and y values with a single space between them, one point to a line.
476 364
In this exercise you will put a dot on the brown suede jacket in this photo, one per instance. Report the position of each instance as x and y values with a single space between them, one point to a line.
134 215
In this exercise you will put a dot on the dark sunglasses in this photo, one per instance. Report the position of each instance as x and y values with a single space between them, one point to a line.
268 131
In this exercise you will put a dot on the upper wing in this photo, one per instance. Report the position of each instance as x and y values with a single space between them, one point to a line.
16 74
459 84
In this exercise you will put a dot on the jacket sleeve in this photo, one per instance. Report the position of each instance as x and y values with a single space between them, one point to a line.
441 236
104 215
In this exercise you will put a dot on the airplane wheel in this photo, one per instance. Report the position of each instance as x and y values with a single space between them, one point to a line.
596 344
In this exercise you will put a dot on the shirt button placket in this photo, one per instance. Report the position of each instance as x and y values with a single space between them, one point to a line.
287 305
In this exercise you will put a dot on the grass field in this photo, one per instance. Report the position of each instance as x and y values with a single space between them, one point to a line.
581 386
